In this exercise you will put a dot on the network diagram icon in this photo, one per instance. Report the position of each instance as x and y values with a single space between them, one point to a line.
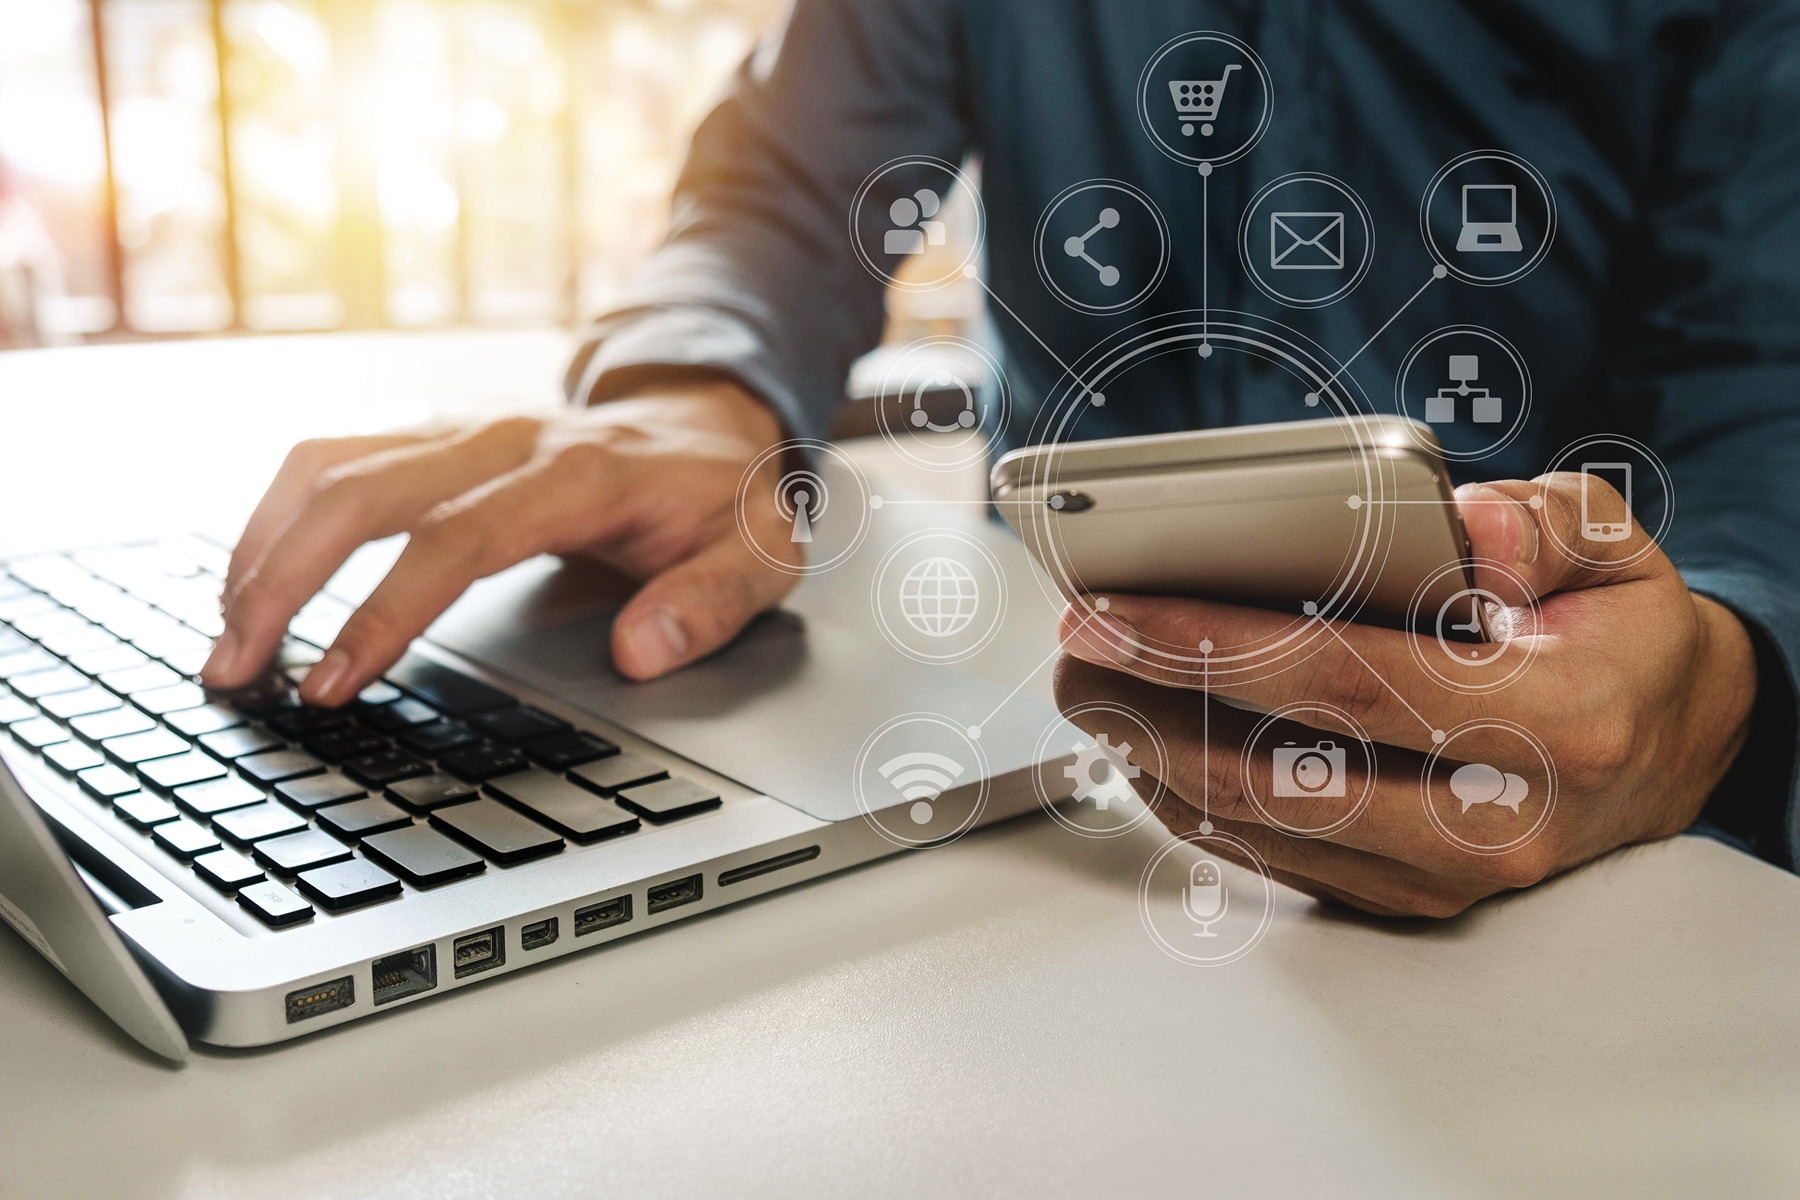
1102 773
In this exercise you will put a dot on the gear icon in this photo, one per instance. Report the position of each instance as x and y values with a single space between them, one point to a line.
1101 772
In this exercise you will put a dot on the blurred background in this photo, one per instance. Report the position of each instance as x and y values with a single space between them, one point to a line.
173 168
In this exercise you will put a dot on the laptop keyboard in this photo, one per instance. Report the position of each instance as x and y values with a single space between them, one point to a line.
429 777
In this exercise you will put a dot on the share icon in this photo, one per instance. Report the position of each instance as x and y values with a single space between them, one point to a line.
1076 247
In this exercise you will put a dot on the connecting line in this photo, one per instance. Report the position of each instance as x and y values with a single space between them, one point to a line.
1034 337
975 731
1384 328
1437 735
1205 258
1206 743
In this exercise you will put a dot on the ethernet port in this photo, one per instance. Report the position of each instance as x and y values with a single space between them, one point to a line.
405 974
479 952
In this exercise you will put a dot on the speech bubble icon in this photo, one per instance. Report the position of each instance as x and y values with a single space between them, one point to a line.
1478 783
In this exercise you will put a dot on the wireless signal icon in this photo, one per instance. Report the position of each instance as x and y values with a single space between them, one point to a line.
921 777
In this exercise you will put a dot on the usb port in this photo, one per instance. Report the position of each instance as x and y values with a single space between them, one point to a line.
674 894
603 915
324 998
480 951
405 974
539 933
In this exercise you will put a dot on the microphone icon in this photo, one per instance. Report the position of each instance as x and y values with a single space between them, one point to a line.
801 497
1206 897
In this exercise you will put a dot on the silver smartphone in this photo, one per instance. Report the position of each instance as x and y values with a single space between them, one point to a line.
1354 516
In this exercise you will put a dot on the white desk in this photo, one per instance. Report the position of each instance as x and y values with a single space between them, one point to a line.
987 1018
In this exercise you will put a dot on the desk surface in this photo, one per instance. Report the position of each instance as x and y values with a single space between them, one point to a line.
987 1018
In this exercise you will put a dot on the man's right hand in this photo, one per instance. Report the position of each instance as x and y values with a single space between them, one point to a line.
646 484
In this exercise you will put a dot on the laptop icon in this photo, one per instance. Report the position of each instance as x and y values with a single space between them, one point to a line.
1483 230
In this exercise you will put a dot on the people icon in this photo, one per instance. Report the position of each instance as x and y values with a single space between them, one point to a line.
913 227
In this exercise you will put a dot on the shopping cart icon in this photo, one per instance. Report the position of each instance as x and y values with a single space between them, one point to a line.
1198 100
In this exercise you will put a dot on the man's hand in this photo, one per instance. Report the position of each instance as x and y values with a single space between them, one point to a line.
1641 691
646 484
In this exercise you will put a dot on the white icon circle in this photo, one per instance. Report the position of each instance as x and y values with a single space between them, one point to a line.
1094 207
1301 239
939 596
1185 892
1092 795
1627 466
913 778
1313 768
908 226
1476 785
1492 189
801 498
1173 107
1494 629
1444 385
941 386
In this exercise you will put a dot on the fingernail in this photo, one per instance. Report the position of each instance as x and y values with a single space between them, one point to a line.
325 676
1104 640
1524 527
658 643
222 662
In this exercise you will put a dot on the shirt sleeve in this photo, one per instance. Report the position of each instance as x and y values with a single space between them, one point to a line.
1714 362
758 280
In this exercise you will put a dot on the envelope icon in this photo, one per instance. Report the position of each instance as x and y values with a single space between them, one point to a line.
1306 241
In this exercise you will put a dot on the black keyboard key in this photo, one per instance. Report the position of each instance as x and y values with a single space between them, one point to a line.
401 714
70 757
361 817
167 774
144 810
305 722
116 657
315 790
184 839
258 821
228 745
38 732
341 744
497 831
518 724
208 718
227 870
279 765
13 709
296 852
446 690
481 763
423 857
574 812
349 884
170 699
217 796
88 700
617 771
136 748
669 800
561 751
105 782
385 767
430 791
377 694
435 738
117 723
274 905
270 694
143 678
24 662
39 684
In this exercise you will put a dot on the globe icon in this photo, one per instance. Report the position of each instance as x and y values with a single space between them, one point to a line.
938 597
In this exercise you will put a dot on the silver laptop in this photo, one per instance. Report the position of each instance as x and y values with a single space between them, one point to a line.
240 869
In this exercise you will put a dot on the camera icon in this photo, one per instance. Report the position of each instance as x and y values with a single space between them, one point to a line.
1309 770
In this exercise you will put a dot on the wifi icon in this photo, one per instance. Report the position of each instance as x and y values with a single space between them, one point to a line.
921 777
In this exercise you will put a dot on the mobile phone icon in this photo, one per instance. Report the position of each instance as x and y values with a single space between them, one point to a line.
1613 529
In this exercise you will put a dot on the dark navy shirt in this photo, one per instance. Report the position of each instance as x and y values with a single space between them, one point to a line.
1667 308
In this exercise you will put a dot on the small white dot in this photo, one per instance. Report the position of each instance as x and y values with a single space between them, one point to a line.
1437 736
975 732
921 813
1205 349
1099 400
1312 399
1206 168
1310 608
1355 502
1206 645
1439 271
876 502
969 271
1102 604
1205 827
1537 502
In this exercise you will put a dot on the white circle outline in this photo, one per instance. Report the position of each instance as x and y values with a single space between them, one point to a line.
975 243
1194 838
895 640
1143 107
1356 730
1249 259
1518 422
1662 473
1043 227
1049 803
1465 572
1439 257
976 436
1529 739
869 810
743 500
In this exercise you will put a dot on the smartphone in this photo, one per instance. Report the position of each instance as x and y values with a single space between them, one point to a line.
1354 515
1611 529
